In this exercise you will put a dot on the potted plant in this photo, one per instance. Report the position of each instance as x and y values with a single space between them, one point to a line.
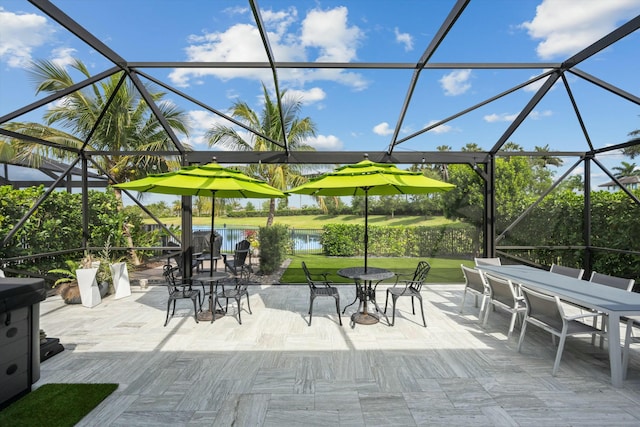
67 285
111 269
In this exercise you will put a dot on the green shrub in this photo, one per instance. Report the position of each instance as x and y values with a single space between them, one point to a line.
275 243
342 239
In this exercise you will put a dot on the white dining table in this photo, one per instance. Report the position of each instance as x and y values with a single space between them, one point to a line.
615 303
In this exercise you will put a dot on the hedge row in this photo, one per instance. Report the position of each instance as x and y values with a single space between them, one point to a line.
348 240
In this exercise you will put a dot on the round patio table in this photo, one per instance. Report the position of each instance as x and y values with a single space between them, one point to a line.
365 291
212 279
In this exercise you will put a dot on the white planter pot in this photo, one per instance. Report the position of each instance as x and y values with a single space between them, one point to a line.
89 291
120 276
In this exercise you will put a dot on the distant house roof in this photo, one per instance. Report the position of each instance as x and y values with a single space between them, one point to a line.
625 180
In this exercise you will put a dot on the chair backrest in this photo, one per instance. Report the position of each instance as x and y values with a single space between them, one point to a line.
307 275
170 276
178 270
487 261
544 308
474 279
241 252
501 290
567 271
420 275
613 281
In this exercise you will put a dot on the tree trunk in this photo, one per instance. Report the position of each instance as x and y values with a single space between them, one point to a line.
272 212
126 230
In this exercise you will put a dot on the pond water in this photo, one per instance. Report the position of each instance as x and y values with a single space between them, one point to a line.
304 240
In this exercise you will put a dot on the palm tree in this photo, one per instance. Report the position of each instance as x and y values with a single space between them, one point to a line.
268 123
127 125
471 146
444 168
626 169
634 150
545 161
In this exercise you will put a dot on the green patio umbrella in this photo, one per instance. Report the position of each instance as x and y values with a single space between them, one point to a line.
368 178
210 180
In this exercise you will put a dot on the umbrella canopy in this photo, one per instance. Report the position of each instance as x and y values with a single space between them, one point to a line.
210 180
369 178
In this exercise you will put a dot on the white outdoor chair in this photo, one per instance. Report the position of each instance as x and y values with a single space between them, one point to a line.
628 340
614 282
504 295
576 273
487 261
546 312
476 284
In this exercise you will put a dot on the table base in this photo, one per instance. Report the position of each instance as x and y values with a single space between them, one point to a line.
206 316
364 318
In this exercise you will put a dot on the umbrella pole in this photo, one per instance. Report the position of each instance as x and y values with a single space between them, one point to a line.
366 227
211 237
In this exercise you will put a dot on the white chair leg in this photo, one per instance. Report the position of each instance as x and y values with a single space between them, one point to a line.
604 328
522 331
625 351
483 303
486 315
559 354
512 324
464 296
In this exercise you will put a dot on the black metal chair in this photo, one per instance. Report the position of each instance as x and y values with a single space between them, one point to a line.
238 262
320 288
411 289
234 288
179 289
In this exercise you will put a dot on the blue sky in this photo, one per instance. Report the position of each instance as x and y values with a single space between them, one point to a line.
356 110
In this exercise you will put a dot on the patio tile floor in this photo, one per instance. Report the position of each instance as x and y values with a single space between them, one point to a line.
275 370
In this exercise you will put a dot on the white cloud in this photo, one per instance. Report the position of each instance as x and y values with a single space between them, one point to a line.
382 129
505 117
325 143
535 115
200 121
325 34
456 82
63 56
566 27
20 34
439 129
404 38
329 32
308 97
502 117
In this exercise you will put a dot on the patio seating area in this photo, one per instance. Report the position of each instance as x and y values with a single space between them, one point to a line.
274 369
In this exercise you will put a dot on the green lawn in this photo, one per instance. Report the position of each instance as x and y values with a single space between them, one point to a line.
316 221
443 270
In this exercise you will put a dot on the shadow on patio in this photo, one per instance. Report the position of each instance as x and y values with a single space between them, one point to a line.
275 370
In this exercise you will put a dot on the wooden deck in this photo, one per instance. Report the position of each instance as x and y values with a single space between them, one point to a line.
275 370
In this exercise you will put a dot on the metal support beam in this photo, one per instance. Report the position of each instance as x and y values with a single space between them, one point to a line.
335 157
490 209
586 225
